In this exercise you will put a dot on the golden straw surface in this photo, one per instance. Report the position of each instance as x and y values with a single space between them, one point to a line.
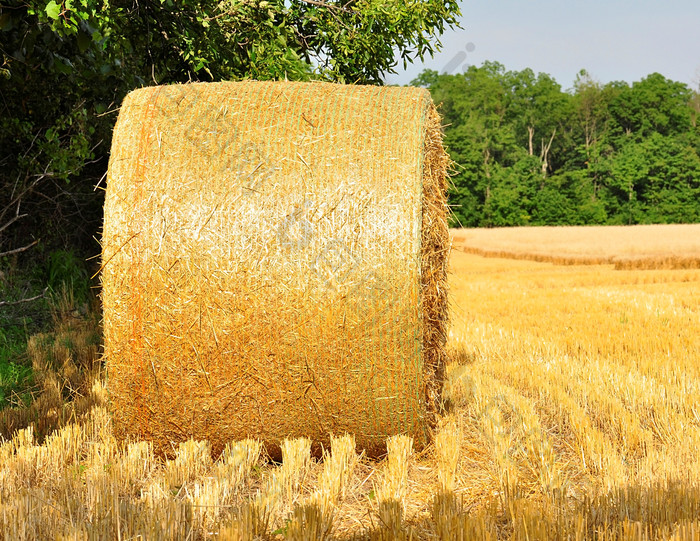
274 264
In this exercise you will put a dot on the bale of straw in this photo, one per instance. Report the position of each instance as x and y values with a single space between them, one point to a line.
274 264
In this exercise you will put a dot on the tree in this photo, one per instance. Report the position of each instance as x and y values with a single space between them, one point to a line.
537 109
528 153
695 100
592 110
653 105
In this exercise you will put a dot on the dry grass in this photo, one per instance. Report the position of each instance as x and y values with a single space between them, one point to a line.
572 414
674 246
65 363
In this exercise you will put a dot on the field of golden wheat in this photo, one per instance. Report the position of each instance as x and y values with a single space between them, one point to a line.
572 412
673 246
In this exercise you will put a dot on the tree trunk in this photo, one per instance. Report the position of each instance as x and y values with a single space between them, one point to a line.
545 153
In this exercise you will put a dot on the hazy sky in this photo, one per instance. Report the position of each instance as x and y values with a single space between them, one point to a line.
615 40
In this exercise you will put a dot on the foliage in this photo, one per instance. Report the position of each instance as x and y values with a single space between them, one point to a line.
66 272
528 153
14 374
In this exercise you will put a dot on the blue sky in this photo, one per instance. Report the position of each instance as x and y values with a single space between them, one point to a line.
620 40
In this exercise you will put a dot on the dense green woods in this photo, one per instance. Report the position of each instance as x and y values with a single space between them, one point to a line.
529 153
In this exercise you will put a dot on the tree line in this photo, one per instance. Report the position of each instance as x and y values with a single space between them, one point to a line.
528 153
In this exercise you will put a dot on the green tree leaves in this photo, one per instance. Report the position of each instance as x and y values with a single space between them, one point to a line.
53 10
528 153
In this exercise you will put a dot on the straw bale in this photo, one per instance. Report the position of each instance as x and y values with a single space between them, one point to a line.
274 264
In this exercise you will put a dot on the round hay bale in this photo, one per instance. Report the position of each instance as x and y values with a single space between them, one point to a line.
274 264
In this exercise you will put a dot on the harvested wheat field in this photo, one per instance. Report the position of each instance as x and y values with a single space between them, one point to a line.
674 246
573 412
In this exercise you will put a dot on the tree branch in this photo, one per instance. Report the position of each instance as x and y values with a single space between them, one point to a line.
329 6
12 220
30 299
18 250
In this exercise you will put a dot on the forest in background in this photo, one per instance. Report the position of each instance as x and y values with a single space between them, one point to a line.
527 152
